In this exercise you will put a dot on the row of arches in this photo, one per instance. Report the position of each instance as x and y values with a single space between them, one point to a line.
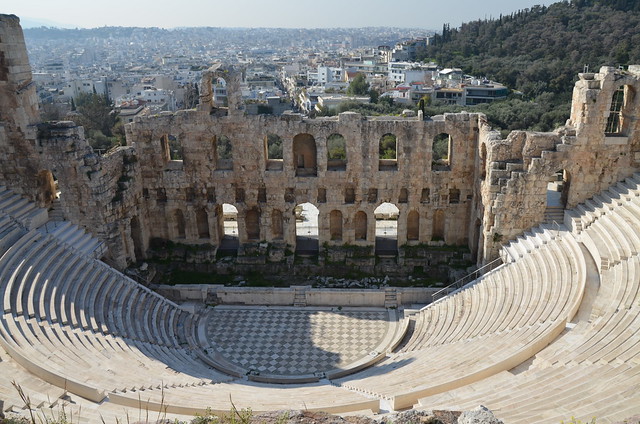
304 152
230 224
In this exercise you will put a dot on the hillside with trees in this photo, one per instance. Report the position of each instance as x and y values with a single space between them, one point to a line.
538 52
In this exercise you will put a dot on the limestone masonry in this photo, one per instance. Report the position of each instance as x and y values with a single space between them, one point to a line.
487 191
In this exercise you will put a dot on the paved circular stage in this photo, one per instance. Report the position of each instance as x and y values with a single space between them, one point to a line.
292 343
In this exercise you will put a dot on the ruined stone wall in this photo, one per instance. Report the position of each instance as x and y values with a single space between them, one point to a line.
171 181
256 185
592 157
20 168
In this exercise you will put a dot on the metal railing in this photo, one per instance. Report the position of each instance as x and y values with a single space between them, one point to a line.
458 284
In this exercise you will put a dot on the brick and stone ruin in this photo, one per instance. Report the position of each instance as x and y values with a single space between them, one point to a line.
550 333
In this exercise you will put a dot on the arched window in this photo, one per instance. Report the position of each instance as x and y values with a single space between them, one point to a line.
252 224
388 153
224 153
360 226
202 220
335 225
273 148
171 147
336 153
441 152
305 155
413 225
615 121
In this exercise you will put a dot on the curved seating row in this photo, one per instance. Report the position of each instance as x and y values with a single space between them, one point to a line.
593 368
493 324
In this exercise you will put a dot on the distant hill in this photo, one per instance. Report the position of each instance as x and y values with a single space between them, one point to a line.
542 49
27 22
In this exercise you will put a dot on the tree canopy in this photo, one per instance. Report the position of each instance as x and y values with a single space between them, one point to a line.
538 52
100 121
358 86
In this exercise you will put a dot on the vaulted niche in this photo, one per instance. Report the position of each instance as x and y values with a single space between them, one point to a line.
252 224
335 225
413 226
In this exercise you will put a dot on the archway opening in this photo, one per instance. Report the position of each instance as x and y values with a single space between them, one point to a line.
388 153
557 195
219 88
306 215
224 153
273 149
305 155
229 241
441 152
386 216
336 153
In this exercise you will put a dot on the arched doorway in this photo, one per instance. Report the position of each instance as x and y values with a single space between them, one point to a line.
306 215
386 216
557 195
229 242
336 153
441 152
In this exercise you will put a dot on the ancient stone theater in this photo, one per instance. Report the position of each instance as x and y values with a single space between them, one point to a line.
550 333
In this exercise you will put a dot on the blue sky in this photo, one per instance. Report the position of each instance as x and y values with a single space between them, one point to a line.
426 14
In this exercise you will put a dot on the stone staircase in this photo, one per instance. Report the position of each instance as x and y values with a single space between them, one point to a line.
299 296
554 213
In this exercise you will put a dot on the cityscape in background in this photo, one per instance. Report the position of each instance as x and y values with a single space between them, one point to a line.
149 70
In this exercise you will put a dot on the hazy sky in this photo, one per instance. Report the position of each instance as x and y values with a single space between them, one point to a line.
426 14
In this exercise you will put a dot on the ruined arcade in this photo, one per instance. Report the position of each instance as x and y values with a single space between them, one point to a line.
557 319
171 180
